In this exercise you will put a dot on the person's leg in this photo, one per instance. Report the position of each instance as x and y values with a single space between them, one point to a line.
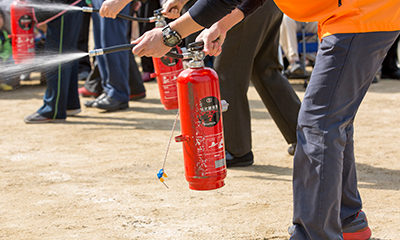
276 92
83 40
311 27
234 71
253 48
113 33
288 39
351 200
324 181
137 89
389 65
93 81
62 80
99 60
113 67
146 11
289 44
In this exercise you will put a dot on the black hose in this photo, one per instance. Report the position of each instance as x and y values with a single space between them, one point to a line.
125 47
118 48
127 17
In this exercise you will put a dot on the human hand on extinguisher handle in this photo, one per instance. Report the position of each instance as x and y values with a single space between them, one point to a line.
214 36
111 8
172 8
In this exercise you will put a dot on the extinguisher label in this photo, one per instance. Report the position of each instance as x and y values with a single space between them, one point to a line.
25 22
209 111
212 146
169 84
169 61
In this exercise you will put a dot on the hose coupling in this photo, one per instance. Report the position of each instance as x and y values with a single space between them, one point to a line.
87 9
96 52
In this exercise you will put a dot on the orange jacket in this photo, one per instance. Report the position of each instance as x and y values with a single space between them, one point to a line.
345 16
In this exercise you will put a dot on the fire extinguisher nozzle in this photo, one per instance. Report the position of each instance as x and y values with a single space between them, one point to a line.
96 52
87 9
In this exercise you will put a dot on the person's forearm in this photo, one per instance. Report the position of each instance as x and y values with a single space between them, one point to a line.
110 8
230 20
172 8
185 25
151 42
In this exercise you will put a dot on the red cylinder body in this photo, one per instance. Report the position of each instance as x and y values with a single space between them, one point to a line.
167 70
202 129
23 38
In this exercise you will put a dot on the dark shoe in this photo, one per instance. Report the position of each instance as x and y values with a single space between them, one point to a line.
358 229
73 112
136 97
232 161
391 75
90 103
375 80
110 104
147 77
86 93
37 118
292 149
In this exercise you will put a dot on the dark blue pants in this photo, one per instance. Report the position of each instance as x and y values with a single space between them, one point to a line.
62 80
113 67
325 191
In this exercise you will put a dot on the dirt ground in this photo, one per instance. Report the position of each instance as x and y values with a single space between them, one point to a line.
94 176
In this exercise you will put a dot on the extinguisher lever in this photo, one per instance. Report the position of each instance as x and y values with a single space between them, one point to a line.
196 46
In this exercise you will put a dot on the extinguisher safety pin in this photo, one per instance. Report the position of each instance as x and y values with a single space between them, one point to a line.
161 173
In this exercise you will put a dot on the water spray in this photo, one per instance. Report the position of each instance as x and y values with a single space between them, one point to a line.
120 15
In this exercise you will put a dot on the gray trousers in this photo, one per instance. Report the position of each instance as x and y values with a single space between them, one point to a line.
250 52
325 191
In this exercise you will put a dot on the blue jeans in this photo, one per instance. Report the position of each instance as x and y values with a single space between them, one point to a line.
113 67
325 191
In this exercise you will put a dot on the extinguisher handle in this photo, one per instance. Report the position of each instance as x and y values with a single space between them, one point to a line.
121 15
196 46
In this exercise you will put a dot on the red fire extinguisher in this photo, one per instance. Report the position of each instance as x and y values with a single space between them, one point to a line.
22 25
166 72
200 109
